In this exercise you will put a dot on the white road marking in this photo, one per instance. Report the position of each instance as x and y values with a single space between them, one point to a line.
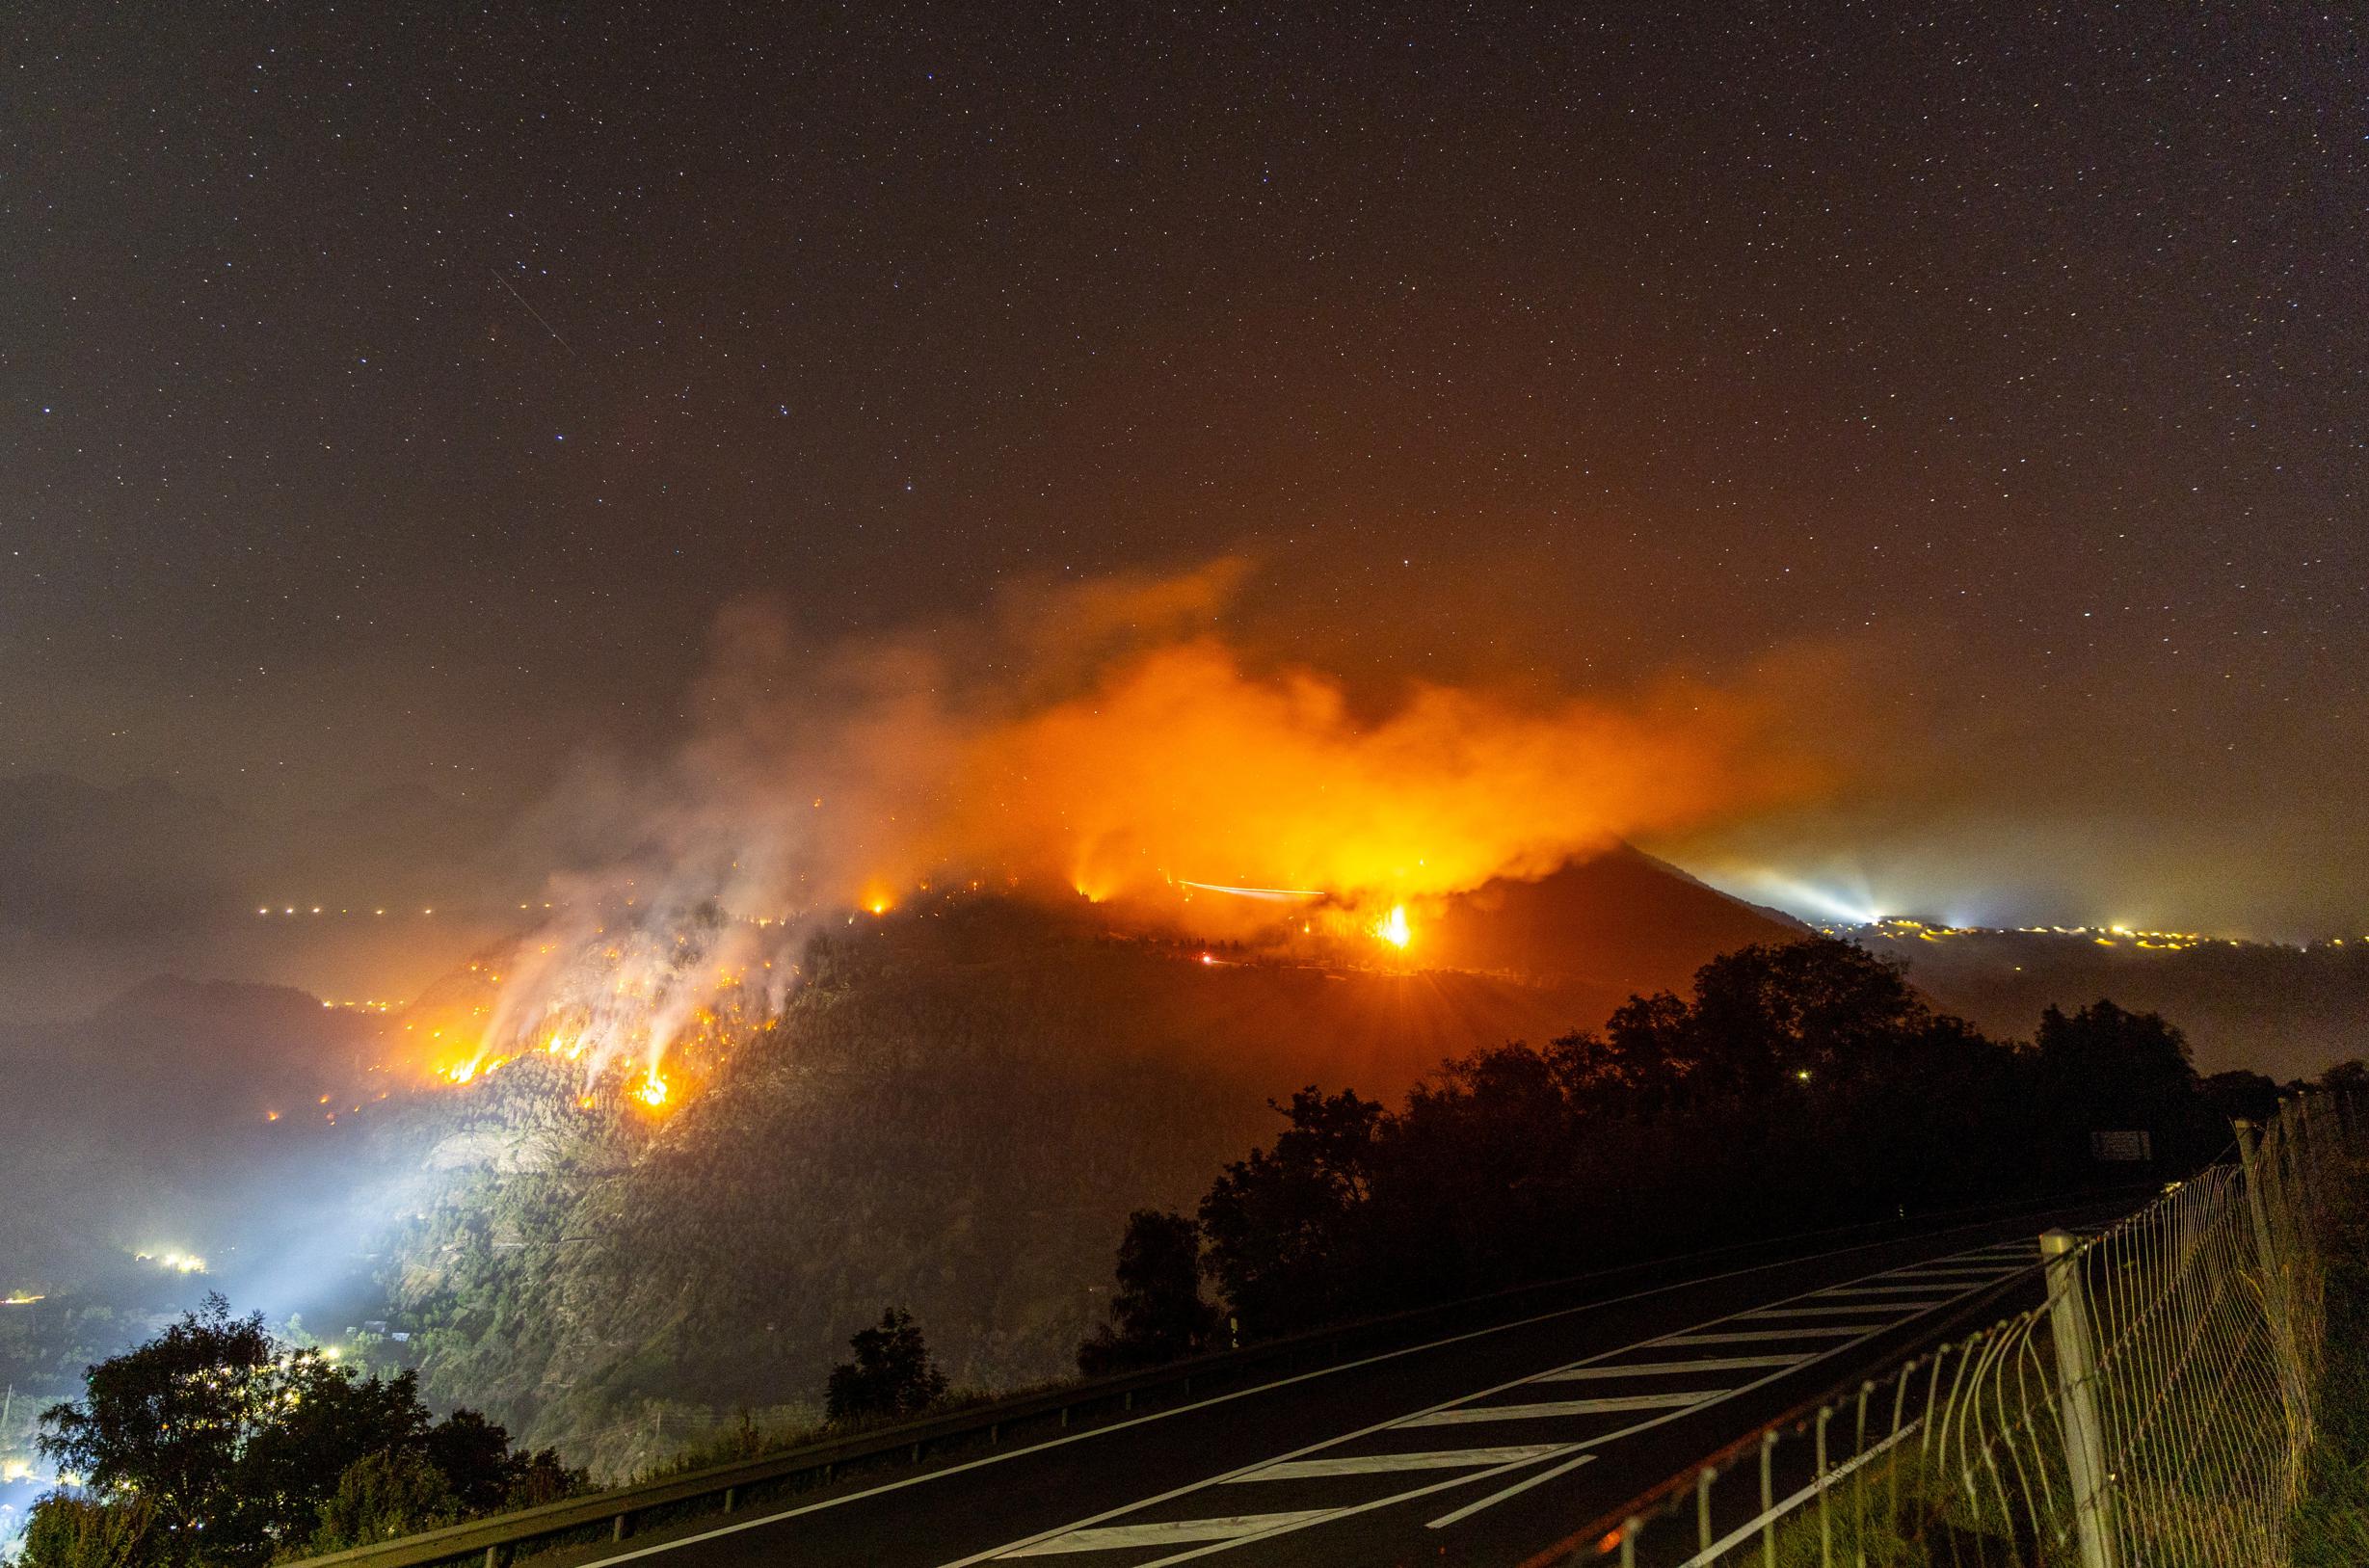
1959 1271
864 1494
1377 1464
1175 1491
1466 1414
1595 1441
1170 1532
1936 1288
1390 1501
1915 1310
1503 1493
1894 1307
1648 1368
1778 1332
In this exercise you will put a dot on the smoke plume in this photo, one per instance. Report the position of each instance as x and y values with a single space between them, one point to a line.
1111 741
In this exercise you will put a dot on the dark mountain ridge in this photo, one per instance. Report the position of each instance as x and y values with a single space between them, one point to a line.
955 1113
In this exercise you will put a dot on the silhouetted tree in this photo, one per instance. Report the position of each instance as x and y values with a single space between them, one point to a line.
2104 1068
474 1457
1474 1177
382 1496
485 1473
328 1419
1799 1085
64 1532
891 1376
1158 1314
184 1423
230 1446
2346 1077
2239 1093
1280 1226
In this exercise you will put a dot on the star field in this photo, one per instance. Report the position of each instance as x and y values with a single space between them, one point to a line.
393 392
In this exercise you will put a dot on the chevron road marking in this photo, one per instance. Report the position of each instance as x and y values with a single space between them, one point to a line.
1464 1415
759 1521
1232 1532
1954 1276
1778 1331
1014 1549
1286 1526
1503 1493
1171 1532
1649 1368
1376 1464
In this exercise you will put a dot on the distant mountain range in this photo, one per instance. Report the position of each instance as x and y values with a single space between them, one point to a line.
79 858
1619 922
144 1122
2268 1008
101 886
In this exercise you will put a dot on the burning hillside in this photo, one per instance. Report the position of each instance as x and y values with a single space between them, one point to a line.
1132 757
958 1104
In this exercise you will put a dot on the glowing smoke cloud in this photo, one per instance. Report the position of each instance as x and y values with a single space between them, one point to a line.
1103 740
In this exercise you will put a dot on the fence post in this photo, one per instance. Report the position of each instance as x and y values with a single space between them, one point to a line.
2254 1161
2294 1131
1825 1523
2084 1437
1768 1499
2250 1163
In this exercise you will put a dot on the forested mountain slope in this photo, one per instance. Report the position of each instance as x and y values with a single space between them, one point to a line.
955 1113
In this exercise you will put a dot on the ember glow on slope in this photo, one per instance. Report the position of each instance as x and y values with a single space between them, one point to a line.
617 998
1132 754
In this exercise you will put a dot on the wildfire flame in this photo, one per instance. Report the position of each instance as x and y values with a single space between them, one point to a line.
1105 743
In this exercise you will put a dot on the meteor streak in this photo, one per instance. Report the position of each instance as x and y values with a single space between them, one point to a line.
539 321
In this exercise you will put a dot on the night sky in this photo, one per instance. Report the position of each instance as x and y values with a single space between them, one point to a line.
394 395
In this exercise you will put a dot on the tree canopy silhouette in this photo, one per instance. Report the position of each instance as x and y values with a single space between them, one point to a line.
1159 1314
211 1441
892 1375
1800 1084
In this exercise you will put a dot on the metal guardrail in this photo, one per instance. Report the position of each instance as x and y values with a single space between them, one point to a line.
733 1485
2154 1404
1675 1492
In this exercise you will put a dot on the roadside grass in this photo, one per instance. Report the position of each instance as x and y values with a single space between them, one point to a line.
1927 1517
1912 1513
751 1438
2332 1522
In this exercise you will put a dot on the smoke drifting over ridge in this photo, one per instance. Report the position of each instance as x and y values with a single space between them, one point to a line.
1112 740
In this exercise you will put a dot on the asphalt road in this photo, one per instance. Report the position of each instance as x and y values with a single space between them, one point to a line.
1482 1447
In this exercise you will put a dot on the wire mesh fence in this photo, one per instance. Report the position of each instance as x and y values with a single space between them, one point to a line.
2154 1407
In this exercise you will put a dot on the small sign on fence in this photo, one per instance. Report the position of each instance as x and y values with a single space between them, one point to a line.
2121 1146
